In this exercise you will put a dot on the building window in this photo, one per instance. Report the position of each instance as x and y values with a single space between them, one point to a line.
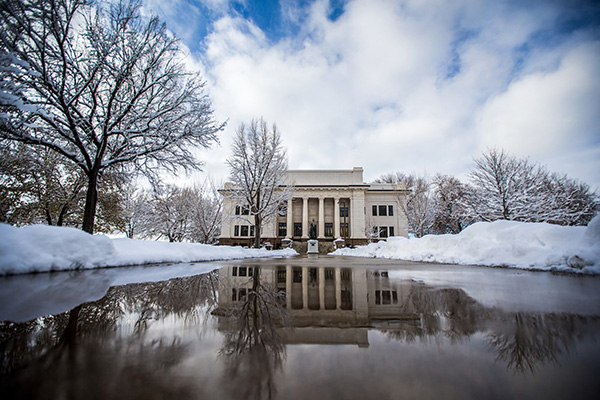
234 271
242 294
244 230
243 271
283 209
383 211
237 212
383 231
328 229
281 275
297 228
391 211
241 210
233 294
384 297
345 274
282 230
344 229
236 230
374 211
297 275
343 211
329 274
391 230
251 230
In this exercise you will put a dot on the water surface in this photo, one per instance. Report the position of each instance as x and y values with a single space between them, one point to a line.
330 327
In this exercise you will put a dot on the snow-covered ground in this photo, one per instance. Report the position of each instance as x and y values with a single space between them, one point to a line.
40 248
537 246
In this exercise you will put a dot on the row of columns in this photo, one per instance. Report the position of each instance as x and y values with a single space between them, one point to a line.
321 218
288 287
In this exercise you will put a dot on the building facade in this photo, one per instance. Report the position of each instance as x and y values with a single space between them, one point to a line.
338 204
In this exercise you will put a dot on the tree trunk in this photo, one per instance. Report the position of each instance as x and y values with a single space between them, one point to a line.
91 199
257 231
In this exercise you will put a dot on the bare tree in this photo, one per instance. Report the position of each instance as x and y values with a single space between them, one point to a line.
451 214
515 189
258 173
169 213
419 205
207 213
100 86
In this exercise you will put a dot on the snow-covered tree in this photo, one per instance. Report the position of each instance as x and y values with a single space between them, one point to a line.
169 213
102 87
207 213
451 214
257 170
506 187
419 205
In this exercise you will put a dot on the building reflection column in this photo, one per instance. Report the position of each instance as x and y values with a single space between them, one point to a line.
304 288
321 217
321 288
338 288
336 218
288 286
290 221
305 218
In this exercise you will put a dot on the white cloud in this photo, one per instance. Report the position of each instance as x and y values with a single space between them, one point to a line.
553 117
413 86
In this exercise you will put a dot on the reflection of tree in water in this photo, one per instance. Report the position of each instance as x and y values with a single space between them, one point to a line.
57 356
253 348
522 341
533 340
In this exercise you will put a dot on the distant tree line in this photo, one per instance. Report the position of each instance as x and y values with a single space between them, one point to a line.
500 187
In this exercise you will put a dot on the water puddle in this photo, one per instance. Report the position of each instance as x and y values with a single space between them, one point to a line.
287 331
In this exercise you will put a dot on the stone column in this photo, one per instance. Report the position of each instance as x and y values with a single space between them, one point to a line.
338 288
321 288
305 218
321 218
336 218
288 286
290 220
304 288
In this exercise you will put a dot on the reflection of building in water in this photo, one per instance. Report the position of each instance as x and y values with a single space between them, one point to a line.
322 300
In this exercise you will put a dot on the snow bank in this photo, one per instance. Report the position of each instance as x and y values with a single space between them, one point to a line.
49 248
501 243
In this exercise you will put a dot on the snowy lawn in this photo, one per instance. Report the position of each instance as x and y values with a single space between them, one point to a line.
40 248
538 246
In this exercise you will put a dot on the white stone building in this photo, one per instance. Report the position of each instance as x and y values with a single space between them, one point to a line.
338 203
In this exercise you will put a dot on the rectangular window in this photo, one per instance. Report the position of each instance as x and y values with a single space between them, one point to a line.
391 211
297 275
282 230
281 274
234 271
297 228
233 294
328 229
344 229
395 296
236 230
374 211
391 231
329 274
345 274
242 294
237 210
343 212
386 297
383 211
245 210
243 271
244 230
378 297
282 209
251 230
383 231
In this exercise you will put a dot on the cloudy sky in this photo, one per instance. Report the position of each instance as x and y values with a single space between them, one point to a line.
415 86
